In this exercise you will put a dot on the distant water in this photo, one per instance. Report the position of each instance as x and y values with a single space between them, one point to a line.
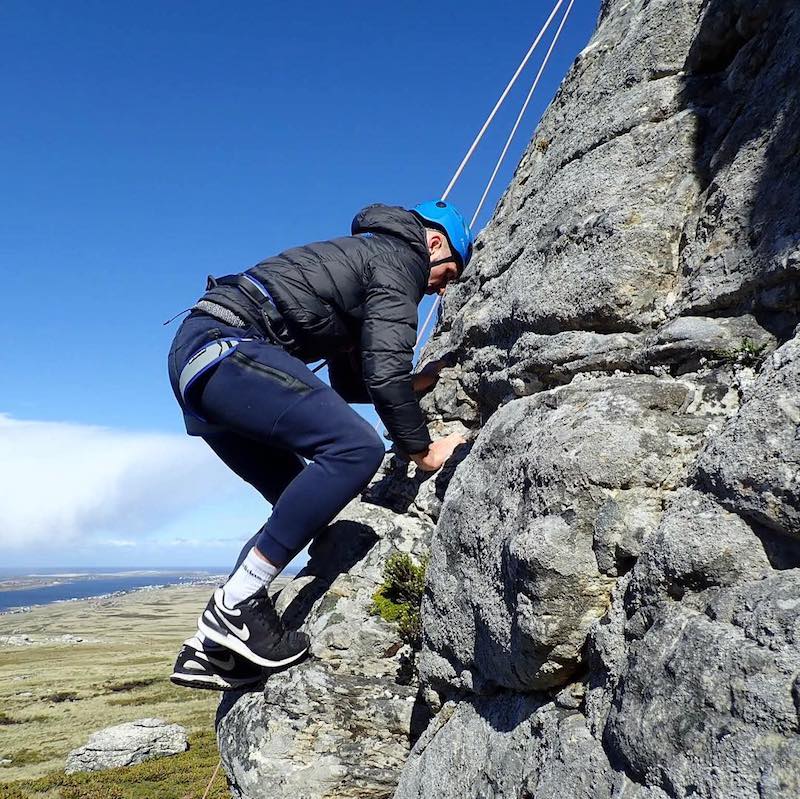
54 585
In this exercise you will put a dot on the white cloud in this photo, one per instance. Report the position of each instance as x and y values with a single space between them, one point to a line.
61 481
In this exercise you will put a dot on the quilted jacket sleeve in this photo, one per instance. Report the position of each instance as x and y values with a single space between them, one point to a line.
344 373
388 334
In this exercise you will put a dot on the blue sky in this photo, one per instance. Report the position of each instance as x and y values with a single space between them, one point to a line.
146 145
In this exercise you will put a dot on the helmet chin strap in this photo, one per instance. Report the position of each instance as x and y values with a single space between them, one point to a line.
449 260
440 261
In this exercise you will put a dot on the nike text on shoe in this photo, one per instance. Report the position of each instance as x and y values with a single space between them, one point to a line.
253 630
213 668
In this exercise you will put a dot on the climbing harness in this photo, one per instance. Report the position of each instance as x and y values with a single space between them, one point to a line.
206 358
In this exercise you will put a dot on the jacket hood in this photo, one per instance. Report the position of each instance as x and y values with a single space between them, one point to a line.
395 221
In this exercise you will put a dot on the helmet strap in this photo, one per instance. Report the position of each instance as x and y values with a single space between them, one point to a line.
449 259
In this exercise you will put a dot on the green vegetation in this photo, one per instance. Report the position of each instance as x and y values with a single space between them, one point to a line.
56 694
748 353
183 776
399 598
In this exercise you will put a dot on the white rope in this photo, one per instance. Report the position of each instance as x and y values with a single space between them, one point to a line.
522 113
211 781
501 100
509 140
485 127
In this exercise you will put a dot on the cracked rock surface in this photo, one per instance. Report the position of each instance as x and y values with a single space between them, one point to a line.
611 608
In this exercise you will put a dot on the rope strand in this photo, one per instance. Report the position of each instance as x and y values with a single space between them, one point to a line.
522 113
501 100
211 781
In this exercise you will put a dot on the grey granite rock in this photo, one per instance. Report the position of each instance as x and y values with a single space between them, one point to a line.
552 503
128 744
741 243
318 731
706 701
341 723
753 464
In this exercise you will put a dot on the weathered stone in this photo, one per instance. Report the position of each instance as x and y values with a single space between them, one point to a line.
341 723
741 246
707 706
556 486
317 731
697 546
753 465
128 744
511 746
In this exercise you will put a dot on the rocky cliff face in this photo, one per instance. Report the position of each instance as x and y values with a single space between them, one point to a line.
612 596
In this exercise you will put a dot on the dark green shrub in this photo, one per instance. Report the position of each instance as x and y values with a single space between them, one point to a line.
399 598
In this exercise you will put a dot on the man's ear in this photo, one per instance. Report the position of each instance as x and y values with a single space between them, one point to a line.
435 241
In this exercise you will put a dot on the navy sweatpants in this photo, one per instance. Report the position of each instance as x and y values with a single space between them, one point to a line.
263 411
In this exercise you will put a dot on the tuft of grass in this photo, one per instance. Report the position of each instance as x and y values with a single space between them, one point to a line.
748 353
130 685
399 598
61 696
182 776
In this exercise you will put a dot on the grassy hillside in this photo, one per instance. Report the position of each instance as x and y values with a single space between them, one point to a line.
53 695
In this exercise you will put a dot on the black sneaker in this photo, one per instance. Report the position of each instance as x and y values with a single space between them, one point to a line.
253 630
213 667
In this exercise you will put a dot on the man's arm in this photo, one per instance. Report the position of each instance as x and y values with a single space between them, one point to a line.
344 373
388 335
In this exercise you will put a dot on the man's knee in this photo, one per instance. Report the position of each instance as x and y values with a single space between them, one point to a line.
377 452
370 451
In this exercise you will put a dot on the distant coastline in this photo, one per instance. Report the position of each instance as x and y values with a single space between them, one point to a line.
19 592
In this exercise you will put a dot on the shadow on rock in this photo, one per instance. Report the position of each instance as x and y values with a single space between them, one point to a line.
333 552
743 253
230 698
397 490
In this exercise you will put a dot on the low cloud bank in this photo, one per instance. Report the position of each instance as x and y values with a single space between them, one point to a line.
63 482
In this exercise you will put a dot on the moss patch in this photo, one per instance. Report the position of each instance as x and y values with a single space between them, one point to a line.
399 598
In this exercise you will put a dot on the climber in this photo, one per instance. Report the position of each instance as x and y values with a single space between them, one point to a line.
238 370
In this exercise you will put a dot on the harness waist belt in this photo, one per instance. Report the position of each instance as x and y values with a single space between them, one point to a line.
206 358
259 311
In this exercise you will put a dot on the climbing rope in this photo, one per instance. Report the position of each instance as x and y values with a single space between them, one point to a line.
484 128
503 154
211 781
503 96
522 113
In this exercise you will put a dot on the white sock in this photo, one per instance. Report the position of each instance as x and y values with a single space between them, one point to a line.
253 574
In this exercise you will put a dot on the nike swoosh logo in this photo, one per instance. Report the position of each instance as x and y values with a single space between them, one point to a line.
225 665
243 633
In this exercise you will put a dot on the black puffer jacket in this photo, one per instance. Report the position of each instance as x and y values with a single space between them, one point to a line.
353 300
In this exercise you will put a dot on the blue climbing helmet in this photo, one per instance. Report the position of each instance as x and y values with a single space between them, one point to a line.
443 216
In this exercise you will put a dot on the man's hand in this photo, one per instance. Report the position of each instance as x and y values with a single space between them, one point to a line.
438 452
429 374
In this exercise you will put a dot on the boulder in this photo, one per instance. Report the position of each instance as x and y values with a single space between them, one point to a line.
128 744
